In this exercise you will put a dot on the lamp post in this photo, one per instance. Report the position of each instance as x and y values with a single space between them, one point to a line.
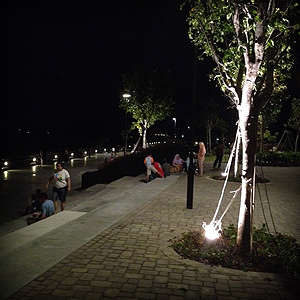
174 119
126 97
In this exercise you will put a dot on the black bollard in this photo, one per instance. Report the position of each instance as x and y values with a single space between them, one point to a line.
190 183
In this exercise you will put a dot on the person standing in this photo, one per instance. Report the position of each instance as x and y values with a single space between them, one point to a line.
62 184
219 154
66 156
200 157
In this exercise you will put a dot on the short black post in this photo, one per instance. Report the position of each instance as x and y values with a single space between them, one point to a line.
190 186
191 170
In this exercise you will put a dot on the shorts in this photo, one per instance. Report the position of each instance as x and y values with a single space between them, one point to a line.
59 194
151 168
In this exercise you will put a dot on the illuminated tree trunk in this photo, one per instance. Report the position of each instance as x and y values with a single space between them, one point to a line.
248 119
135 145
209 138
144 138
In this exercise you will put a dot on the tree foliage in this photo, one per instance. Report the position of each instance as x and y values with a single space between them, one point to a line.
230 31
294 121
269 115
150 100
210 119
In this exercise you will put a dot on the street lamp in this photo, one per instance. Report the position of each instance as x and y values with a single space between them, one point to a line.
174 119
126 97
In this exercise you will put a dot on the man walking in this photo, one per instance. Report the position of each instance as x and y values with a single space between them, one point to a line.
62 184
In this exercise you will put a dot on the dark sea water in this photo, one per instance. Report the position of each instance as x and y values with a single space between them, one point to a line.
17 185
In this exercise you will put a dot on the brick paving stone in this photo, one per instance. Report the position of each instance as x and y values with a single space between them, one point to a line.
111 292
132 259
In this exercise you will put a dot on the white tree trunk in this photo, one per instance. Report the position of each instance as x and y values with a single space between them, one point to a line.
144 138
136 144
248 126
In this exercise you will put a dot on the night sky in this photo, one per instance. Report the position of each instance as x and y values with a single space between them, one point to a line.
62 63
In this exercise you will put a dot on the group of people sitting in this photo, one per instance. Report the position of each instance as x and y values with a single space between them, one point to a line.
155 169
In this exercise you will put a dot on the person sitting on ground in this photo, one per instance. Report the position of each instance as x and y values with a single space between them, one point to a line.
149 164
47 209
159 169
33 203
166 167
177 163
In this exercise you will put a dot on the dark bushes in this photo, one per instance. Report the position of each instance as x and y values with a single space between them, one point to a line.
280 159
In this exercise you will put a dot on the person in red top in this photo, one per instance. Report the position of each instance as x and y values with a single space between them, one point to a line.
159 169
149 163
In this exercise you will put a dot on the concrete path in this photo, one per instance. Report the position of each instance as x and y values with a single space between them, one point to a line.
120 249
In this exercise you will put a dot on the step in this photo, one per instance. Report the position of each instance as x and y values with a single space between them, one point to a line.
26 234
28 252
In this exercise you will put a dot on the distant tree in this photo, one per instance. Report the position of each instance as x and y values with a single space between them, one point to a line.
250 43
210 119
150 99
294 121
267 116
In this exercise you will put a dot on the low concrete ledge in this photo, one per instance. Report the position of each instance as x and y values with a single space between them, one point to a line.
24 235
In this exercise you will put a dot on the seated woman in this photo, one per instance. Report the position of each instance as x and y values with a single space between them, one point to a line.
177 164
159 169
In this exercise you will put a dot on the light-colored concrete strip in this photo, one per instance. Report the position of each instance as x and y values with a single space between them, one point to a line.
27 234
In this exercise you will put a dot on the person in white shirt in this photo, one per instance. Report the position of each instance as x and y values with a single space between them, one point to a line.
62 184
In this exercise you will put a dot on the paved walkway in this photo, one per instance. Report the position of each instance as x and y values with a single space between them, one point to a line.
132 258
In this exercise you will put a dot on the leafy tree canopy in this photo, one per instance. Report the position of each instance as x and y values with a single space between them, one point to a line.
229 32
294 121
150 97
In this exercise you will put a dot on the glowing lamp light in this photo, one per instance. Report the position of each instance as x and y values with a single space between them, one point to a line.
34 159
6 163
212 230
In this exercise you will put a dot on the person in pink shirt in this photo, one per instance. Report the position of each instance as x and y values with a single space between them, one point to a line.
200 157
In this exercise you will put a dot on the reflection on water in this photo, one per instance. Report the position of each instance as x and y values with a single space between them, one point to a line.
17 184
33 168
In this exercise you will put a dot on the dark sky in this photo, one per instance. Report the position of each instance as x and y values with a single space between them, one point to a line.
62 63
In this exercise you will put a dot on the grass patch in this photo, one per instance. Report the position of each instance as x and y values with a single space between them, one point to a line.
274 253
